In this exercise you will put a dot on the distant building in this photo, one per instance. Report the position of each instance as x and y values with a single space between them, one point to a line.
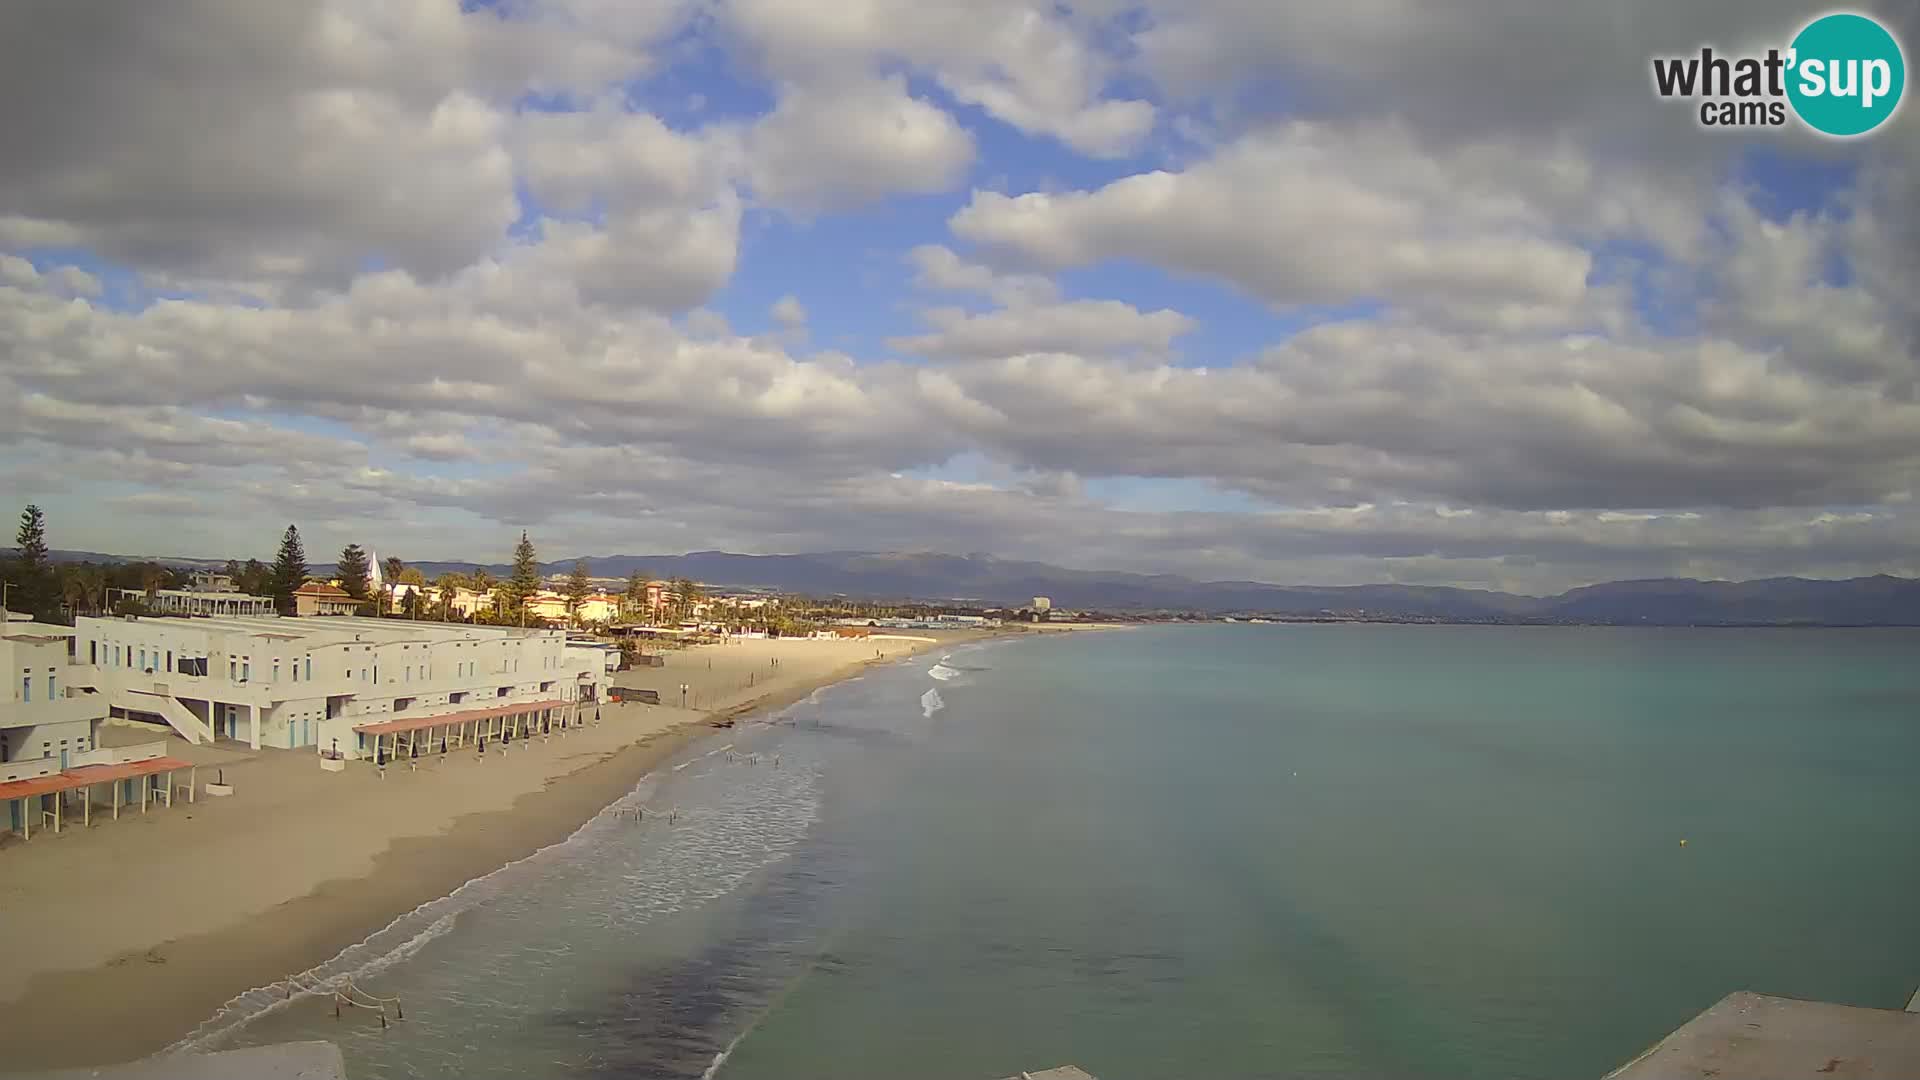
314 598
198 602
547 604
1043 603
401 594
598 608
593 608
208 581
470 601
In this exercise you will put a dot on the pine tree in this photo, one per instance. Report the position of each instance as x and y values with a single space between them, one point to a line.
524 581
354 571
289 569
579 586
31 540
36 591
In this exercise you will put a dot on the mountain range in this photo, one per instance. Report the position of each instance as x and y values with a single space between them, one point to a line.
988 581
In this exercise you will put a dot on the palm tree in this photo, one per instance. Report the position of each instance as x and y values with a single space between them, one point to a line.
448 584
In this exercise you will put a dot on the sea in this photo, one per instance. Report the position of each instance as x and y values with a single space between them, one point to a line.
1220 851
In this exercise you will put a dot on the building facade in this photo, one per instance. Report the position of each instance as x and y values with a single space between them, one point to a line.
292 683
46 717
317 598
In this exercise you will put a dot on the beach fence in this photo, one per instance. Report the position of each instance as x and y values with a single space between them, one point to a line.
346 996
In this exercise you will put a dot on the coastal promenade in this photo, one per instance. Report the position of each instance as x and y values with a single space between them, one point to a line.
159 921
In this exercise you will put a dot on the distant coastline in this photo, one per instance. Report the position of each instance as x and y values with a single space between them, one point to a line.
973 583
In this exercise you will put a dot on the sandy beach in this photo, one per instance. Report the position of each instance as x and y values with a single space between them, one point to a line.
121 938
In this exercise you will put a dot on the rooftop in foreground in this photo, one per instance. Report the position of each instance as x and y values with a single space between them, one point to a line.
1753 1035
326 629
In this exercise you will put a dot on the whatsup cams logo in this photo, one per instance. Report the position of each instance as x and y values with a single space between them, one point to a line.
1842 75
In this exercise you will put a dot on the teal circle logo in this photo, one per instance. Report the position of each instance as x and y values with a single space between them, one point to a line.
1846 75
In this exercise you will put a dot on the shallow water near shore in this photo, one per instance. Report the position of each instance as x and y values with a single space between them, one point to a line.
1241 851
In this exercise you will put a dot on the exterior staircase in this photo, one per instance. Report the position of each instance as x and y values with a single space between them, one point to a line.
168 708
140 692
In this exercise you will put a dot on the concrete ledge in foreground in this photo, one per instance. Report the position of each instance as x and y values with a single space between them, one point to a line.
283 1061
1064 1072
1753 1035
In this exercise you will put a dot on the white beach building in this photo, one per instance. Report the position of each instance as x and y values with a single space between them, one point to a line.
289 683
52 766
44 719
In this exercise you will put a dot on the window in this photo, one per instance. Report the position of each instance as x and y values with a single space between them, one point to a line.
409 677
169 659
143 658
309 669
246 670
51 692
93 652
233 668
26 688
276 669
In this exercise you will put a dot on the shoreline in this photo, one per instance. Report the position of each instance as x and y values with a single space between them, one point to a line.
172 987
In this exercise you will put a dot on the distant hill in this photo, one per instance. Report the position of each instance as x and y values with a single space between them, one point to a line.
986 580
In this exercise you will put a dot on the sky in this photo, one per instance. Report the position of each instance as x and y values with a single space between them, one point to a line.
1377 291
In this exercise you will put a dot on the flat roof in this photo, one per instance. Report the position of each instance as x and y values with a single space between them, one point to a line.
415 723
334 629
1754 1035
87 775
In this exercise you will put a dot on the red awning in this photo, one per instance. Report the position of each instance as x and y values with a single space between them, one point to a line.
415 723
87 775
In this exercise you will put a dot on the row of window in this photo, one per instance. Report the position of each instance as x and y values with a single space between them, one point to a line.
26 687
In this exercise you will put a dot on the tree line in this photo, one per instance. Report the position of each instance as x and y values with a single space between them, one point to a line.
59 592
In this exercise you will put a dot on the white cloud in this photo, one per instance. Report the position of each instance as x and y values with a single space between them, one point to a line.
18 272
1026 63
838 144
939 268
1309 215
73 280
1092 327
789 312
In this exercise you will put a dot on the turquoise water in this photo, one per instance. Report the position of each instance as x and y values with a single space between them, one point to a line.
1236 851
